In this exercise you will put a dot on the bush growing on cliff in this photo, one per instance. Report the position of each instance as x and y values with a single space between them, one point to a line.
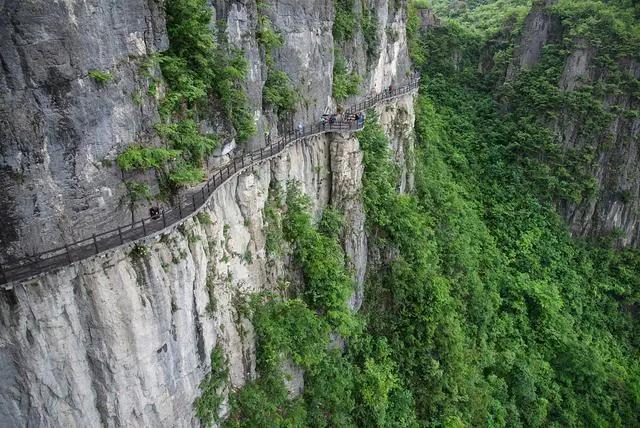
301 330
345 22
267 36
143 158
101 77
278 91
194 68
207 405
345 84
184 136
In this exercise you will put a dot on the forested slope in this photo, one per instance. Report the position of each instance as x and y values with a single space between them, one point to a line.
480 308
495 314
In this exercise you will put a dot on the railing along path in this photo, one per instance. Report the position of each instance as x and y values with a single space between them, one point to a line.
187 205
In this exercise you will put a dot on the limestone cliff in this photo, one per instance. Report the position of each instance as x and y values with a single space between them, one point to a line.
123 339
611 76
62 130
118 340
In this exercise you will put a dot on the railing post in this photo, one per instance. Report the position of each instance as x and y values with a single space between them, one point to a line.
193 199
144 229
4 276
164 220
203 196
66 248
179 208
95 243
120 234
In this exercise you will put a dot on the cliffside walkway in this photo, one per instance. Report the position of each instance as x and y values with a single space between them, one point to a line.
189 204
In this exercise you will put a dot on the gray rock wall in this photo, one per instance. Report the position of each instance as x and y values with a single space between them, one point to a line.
114 341
57 125
61 130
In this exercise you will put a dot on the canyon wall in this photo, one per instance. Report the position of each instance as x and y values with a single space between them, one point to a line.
62 129
615 207
124 338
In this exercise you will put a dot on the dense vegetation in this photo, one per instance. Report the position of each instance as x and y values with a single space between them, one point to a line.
357 386
196 69
346 23
485 311
495 314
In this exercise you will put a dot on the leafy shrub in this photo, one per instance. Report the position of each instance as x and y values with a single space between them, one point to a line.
266 36
327 284
183 175
204 218
139 252
345 84
207 405
421 4
184 136
232 69
370 32
143 158
278 92
345 23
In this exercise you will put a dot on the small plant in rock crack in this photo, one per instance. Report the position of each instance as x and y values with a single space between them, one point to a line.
204 218
247 257
100 77
139 252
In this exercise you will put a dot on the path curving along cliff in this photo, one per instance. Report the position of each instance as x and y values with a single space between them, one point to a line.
188 205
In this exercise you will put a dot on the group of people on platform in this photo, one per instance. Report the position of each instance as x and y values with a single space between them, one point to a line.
334 118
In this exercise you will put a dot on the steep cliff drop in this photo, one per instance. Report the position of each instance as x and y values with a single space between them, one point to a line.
124 338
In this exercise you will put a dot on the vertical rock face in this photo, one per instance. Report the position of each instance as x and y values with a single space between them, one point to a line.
120 340
616 169
60 127
123 341
540 28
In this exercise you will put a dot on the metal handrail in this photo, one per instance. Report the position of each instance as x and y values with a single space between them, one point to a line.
187 205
